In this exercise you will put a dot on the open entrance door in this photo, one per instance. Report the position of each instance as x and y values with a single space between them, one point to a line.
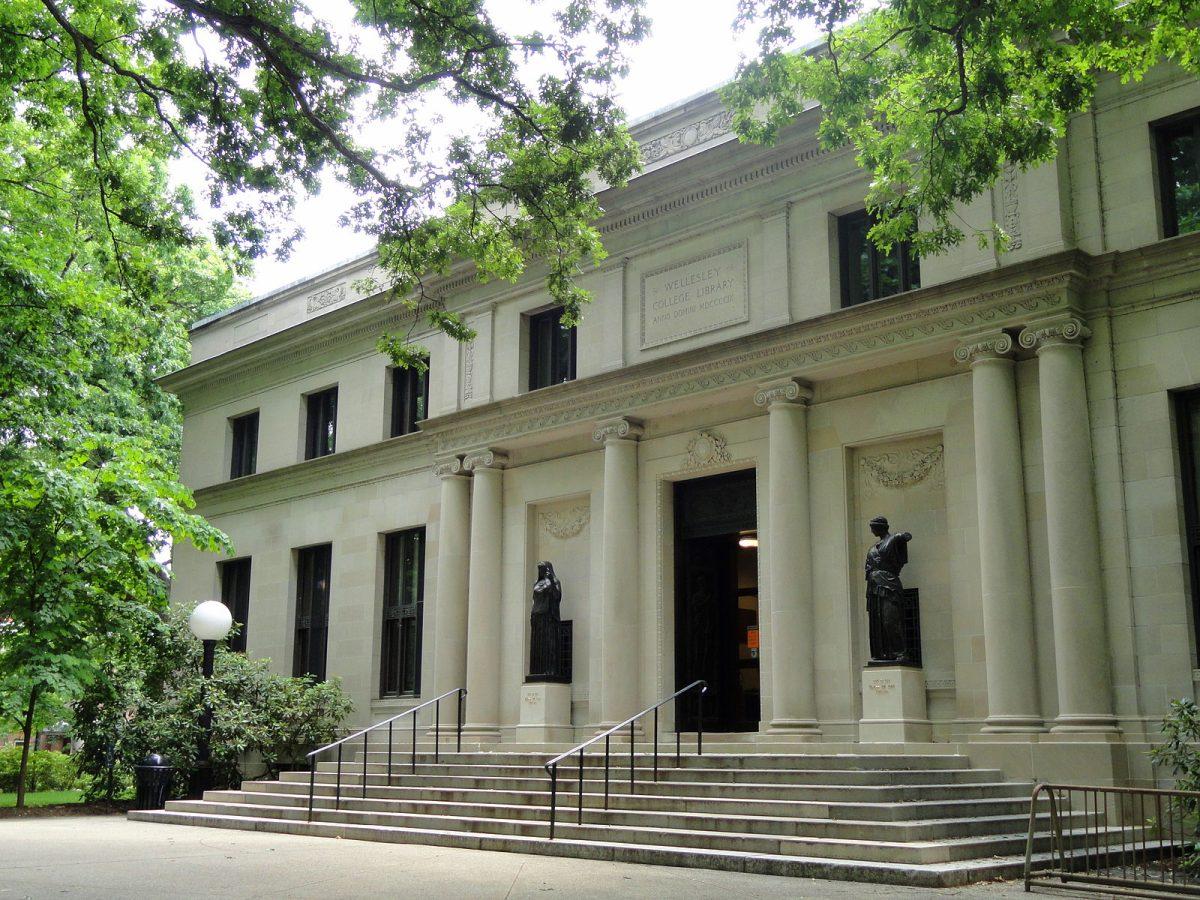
716 600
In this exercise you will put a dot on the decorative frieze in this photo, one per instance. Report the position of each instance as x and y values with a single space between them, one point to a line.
484 459
1059 330
985 346
1010 205
706 448
617 429
899 470
789 390
690 135
329 296
565 524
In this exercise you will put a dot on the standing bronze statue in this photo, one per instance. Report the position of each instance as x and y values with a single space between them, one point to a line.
885 594
545 650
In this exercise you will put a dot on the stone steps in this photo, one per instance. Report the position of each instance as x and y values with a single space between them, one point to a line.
890 817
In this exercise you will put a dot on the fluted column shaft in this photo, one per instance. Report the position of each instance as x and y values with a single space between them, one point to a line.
789 553
621 621
1076 592
450 637
483 593
1008 633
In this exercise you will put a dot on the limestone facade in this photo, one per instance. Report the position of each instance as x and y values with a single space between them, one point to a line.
1015 413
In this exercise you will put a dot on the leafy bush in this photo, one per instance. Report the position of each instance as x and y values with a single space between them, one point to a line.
1181 755
151 702
48 770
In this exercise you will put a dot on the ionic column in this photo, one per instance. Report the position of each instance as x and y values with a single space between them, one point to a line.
789 555
483 594
1008 636
619 570
450 636
1077 596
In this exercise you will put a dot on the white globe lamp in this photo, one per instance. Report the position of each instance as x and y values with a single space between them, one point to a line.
210 620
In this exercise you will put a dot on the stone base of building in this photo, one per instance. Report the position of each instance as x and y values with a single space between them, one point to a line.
894 708
545 713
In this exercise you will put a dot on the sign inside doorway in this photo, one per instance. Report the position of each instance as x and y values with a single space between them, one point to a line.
752 641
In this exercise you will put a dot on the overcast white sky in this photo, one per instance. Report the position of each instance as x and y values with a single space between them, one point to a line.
691 48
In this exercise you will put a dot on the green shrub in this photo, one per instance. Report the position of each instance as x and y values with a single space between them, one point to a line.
1181 755
151 702
48 770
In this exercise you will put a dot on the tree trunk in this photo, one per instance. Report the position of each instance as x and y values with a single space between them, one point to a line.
27 732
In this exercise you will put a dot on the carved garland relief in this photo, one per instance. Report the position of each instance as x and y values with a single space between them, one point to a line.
689 136
565 524
898 470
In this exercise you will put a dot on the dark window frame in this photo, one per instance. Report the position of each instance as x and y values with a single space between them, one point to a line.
908 263
1164 131
1187 410
310 648
243 459
551 361
235 577
410 399
320 424
403 614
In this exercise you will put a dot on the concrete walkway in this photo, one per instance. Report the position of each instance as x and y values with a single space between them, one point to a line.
108 856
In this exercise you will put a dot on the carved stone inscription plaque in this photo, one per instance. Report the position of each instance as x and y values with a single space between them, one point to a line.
693 297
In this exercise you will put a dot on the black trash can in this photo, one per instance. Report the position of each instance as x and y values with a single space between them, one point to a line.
153 782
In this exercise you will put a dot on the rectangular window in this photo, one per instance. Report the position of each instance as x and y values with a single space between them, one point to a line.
245 445
1187 422
551 350
321 428
410 399
867 272
235 593
1178 143
312 610
403 604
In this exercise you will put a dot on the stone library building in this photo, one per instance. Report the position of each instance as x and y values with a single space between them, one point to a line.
879 504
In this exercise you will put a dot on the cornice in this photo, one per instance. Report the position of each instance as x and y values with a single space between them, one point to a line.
1005 298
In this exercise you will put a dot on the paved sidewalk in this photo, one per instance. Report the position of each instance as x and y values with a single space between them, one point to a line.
108 856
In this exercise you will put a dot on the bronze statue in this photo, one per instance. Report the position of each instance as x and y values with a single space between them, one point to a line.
545 654
885 594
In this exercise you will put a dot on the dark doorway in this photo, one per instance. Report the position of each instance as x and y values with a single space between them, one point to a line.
716 600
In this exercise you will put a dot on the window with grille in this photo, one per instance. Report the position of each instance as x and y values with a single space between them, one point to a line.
235 593
403 601
551 350
321 426
410 399
312 610
1178 144
867 272
244 460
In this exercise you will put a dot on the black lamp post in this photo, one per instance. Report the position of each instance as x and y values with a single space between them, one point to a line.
210 621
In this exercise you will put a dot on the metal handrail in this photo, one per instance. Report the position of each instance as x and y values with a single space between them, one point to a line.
552 766
436 703
1140 856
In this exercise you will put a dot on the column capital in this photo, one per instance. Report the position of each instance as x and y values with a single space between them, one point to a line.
986 345
448 467
1057 331
484 459
786 390
621 428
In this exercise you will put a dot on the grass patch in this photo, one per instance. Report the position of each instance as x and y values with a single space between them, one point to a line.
42 798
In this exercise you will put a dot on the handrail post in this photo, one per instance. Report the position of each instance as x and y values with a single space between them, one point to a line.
389 780
337 797
553 796
414 744
606 740
632 741
312 784
678 757
656 743
366 734
458 743
580 787
437 729
700 724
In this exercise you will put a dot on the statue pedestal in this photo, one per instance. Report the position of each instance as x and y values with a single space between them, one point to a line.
893 700
545 713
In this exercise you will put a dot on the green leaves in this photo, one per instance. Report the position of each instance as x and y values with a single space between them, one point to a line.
937 96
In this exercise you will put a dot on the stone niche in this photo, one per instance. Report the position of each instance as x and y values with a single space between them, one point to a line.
560 531
904 479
